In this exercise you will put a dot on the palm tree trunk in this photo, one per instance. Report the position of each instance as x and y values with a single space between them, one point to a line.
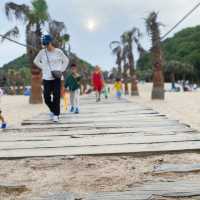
119 73
134 87
125 76
158 91
33 39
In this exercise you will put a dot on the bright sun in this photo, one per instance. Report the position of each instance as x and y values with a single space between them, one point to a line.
91 25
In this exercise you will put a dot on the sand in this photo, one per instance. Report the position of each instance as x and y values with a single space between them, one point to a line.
95 174
182 106
17 108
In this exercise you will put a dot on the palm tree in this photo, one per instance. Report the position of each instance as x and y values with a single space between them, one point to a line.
153 29
128 39
34 18
117 50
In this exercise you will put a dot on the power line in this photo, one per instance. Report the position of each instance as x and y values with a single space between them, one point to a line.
179 22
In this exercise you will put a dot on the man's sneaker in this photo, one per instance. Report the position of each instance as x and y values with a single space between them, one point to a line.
55 119
4 125
77 111
72 109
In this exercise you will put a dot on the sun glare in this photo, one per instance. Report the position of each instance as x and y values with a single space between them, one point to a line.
91 25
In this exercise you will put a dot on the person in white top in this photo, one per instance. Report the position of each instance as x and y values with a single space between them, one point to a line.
48 60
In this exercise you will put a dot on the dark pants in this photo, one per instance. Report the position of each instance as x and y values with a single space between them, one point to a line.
52 90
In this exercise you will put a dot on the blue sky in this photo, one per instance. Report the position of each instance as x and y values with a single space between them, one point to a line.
112 17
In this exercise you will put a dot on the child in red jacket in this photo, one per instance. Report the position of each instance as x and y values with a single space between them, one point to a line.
98 82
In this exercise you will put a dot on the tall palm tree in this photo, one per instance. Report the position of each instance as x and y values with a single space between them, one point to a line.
153 29
34 18
129 38
117 50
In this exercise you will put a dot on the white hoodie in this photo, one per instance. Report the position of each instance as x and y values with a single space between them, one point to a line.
57 59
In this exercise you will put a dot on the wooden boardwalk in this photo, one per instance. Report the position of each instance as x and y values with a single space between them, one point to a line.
110 127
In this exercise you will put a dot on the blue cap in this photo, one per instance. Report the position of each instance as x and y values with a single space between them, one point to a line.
47 39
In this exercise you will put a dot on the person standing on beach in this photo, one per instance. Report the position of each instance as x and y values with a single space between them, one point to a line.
98 82
72 83
53 62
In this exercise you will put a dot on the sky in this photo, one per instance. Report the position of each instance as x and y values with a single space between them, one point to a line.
93 24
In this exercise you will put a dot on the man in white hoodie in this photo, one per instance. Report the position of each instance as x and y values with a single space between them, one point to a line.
48 60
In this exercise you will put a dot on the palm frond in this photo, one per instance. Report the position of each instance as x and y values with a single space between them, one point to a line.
124 37
20 12
113 44
11 33
39 12
152 21
56 27
66 37
117 50
140 48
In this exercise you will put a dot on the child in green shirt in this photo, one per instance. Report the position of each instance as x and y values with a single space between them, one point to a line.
72 83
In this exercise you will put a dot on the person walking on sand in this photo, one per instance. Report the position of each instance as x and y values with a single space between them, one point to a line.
53 62
72 83
118 88
98 82
3 123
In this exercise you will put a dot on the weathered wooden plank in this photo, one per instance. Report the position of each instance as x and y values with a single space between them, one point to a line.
105 141
52 130
12 188
58 196
105 125
140 149
73 118
176 168
100 121
178 189
102 115
64 135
